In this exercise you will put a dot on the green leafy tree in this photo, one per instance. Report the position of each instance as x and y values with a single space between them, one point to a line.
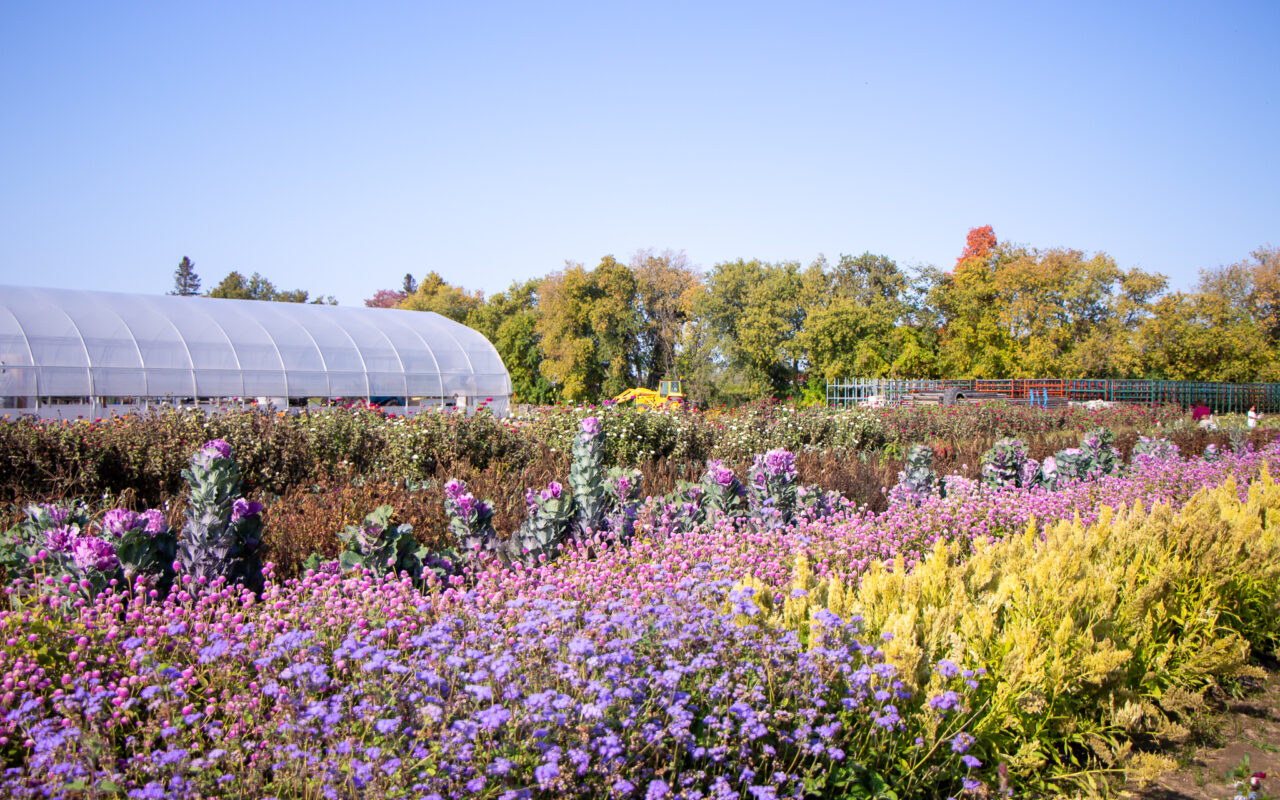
434 294
589 326
186 283
509 320
750 314
666 288
257 287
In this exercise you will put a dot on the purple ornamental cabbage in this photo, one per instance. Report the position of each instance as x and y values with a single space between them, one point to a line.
119 521
216 448
778 463
92 553
61 539
454 489
552 492
719 473
242 509
591 426
155 521
56 513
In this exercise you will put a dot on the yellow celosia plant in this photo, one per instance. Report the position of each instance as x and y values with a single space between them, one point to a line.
1088 634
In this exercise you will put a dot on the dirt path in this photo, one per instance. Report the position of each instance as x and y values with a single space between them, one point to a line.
1247 728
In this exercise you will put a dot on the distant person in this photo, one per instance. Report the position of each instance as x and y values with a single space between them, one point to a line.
1253 417
1200 412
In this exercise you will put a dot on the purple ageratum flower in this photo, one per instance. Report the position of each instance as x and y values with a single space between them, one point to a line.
961 743
119 521
61 539
243 509
91 553
216 448
590 427
155 521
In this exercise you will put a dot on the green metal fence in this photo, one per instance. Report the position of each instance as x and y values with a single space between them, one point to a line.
1220 397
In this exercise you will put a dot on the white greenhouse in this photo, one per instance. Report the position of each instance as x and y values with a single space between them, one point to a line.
65 353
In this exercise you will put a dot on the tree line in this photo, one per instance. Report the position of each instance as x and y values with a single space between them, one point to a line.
748 329
186 283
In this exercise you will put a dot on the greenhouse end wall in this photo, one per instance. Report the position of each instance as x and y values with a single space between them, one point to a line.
71 353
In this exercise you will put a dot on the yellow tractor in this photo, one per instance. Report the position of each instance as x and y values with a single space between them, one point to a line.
670 394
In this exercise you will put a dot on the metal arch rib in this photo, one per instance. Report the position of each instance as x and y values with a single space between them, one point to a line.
191 362
323 363
31 354
231 345
430 352
87 360
142 365
404 374
284 371
363 366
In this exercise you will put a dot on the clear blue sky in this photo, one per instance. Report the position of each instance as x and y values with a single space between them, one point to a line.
336 146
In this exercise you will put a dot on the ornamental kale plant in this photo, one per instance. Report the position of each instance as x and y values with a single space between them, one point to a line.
1007 464
771 488
223 531
470 520
722 492
622 488
62 551
381 549
550 513
917 480
587 480
1155 448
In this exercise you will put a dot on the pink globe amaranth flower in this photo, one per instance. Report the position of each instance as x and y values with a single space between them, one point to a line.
119 521
242 509
591 426
92 553
217 448
61 539
155 521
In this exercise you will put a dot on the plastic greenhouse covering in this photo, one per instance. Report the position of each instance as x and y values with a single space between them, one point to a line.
60 348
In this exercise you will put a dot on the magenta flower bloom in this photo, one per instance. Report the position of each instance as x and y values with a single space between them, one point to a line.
92 553
56 513
591 426
217 448
242 509
455 488
552 491
719 473
61 539
778 463
155 521
119 521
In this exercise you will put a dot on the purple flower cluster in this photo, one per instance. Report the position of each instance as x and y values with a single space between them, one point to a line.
92 553
216 448
777 463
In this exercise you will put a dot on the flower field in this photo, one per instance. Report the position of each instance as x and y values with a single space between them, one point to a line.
1021 628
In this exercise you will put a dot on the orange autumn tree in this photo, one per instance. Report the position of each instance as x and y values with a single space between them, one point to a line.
971 342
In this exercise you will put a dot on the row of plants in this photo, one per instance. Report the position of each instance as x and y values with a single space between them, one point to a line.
143 454
640 666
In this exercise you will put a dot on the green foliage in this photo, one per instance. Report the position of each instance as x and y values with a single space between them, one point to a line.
186 282
223 531
375 545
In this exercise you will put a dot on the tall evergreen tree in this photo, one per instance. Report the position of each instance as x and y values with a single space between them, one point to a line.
186 283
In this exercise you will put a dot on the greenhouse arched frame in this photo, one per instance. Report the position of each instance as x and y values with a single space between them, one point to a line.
67 353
